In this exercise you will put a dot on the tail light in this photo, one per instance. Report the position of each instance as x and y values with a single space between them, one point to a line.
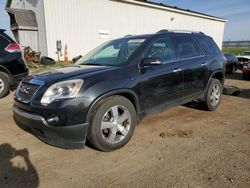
13 47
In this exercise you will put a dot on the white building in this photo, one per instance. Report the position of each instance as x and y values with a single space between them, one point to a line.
84 24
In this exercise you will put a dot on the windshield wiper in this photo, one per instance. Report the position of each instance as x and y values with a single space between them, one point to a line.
79 66
97 64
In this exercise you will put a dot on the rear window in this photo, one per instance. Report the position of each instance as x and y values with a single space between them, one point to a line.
3 42
186 47
208 45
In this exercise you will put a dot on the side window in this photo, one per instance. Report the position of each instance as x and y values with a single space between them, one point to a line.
208 45
161 49
186 47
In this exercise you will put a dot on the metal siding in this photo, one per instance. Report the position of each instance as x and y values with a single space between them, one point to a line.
28 38
37 7
77 23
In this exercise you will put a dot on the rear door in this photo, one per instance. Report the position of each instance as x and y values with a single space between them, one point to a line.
194 65
161 84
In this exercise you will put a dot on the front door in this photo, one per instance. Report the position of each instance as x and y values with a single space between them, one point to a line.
161 84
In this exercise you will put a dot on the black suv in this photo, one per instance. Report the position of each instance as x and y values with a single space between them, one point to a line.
108 91
12 66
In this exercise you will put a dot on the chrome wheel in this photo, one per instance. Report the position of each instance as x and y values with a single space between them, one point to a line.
115 124
215 95
1 85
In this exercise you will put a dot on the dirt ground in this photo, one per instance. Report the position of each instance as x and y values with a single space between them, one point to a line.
181 147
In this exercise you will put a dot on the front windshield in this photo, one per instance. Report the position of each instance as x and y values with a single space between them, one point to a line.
112 53
246 53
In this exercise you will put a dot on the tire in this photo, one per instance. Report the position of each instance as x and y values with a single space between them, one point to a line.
213 95
4 85
103 133
47 61
75 59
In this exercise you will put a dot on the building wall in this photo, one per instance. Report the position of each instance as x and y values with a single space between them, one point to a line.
28 38
236 44
78 23
37 7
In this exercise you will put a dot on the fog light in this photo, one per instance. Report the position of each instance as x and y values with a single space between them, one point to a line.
53 120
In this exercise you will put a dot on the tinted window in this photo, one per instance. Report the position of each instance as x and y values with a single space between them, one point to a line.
208 45
3 42
161 49
186 47
113 52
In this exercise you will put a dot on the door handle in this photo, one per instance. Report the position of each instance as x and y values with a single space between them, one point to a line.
204 64
177 70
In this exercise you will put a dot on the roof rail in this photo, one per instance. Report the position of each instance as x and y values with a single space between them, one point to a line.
163 31
187 31
128 35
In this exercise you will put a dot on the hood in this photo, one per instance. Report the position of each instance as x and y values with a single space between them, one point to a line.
243 56
57 74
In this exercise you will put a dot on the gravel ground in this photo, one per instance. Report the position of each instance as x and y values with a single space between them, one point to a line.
181 147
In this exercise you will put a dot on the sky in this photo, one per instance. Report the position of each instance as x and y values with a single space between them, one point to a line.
237 12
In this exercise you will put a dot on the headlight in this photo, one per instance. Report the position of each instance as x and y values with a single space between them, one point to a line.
62 90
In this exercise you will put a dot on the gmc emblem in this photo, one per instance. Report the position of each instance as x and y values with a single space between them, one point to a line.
24 89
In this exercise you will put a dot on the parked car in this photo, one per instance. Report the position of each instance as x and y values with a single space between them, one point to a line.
12 65
243 58
108 91
232 62
246 71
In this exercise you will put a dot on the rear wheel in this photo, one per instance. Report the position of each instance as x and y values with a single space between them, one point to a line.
112 123
213 95
4 85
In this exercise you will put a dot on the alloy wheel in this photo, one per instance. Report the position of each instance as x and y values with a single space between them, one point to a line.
115 124
215 95
1 85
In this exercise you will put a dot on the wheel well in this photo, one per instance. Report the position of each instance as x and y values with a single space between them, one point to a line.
125 94
4 71
219 76
132 99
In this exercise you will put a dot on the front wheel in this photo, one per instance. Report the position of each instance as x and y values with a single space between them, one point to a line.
213 95
112 123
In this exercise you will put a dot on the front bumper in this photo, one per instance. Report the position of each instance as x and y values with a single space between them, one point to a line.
68 137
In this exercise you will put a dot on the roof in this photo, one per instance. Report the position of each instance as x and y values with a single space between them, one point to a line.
173 9
165 32
23 19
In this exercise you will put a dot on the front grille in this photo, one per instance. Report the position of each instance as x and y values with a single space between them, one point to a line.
26 91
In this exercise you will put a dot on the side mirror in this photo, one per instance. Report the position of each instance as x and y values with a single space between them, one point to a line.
150 61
